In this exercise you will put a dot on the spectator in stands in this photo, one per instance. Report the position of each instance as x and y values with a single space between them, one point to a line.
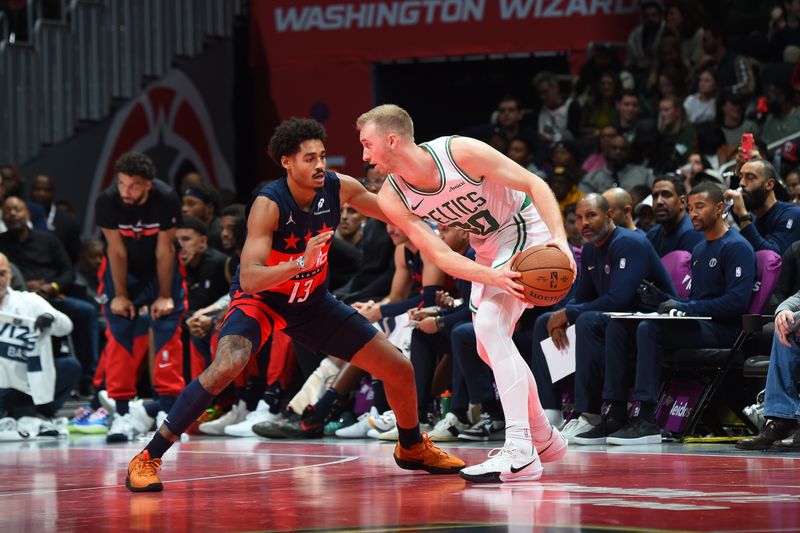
231 235
86 283
374 278
735 74
598 159
676 136
346 253
781 404
674 230
64 225
766 222
788 32
205 282
190 179
26 392
563 155
430 343
574 235
614 262
48 272
644 39
562 183
13 184
201 202
702 105
556 118
618 171
372 180
789 281
600 109
520 151
637 131
620 207
413 281
683 19
783 119
602 59
645 217
723 272
138 215
669 72
731 118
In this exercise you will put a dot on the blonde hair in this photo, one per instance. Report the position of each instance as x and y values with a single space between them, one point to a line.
389 118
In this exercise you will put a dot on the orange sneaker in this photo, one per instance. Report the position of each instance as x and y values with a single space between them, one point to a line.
143 474
426 456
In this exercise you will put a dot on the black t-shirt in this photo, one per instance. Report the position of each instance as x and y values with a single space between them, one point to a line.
139 225
206 282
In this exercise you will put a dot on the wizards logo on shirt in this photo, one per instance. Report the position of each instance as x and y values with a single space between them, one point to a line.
16 341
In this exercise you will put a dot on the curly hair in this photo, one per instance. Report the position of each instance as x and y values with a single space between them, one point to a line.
290 134
136 164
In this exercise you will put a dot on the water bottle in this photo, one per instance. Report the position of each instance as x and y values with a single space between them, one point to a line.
444 403
729 204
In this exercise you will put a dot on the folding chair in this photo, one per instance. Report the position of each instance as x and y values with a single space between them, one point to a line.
711 365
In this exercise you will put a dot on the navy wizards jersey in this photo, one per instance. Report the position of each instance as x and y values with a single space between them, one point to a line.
295 229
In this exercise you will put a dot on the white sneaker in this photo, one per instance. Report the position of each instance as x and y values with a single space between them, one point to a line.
54 429
384 422
447 429
160 417
9 431
360 429
142 422
106 401
505 464
555 417
245 427
393 434
122 428
554 448
217 427
373 433
575 427
30 425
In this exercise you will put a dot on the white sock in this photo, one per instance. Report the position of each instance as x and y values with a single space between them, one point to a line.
518 432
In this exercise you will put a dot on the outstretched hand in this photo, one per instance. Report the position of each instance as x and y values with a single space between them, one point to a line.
504 278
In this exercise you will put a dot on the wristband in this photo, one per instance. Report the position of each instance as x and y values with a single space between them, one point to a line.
439 323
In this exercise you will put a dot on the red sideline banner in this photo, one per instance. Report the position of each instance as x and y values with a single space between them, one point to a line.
320 51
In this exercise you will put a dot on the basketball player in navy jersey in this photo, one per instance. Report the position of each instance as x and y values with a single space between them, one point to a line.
282 284
466 184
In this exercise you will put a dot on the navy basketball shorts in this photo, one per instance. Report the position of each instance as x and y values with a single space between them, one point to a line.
327 326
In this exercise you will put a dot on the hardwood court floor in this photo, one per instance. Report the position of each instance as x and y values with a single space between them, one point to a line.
214 484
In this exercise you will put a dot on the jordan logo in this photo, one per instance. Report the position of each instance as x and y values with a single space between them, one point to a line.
290 220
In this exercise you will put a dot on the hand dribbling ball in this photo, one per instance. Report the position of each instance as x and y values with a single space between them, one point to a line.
546 274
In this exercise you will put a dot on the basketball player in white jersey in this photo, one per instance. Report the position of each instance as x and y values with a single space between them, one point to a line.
464 183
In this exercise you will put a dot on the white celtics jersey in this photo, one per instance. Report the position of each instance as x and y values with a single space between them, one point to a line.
486 209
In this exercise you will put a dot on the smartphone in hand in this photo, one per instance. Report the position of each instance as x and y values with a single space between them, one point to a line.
747 145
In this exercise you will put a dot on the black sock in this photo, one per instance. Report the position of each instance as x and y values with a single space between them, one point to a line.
647 411
121 406
188 407
462 416
152 408
325 404
618 410
409 437
494 409
158 445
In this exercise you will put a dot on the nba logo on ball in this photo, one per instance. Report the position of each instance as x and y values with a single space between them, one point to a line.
545 274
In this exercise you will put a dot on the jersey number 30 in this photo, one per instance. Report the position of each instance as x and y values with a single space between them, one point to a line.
481 223
306 290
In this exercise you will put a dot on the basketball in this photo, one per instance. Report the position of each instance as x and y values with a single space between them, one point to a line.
546 274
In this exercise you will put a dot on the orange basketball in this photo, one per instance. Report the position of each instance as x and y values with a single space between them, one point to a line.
546 275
